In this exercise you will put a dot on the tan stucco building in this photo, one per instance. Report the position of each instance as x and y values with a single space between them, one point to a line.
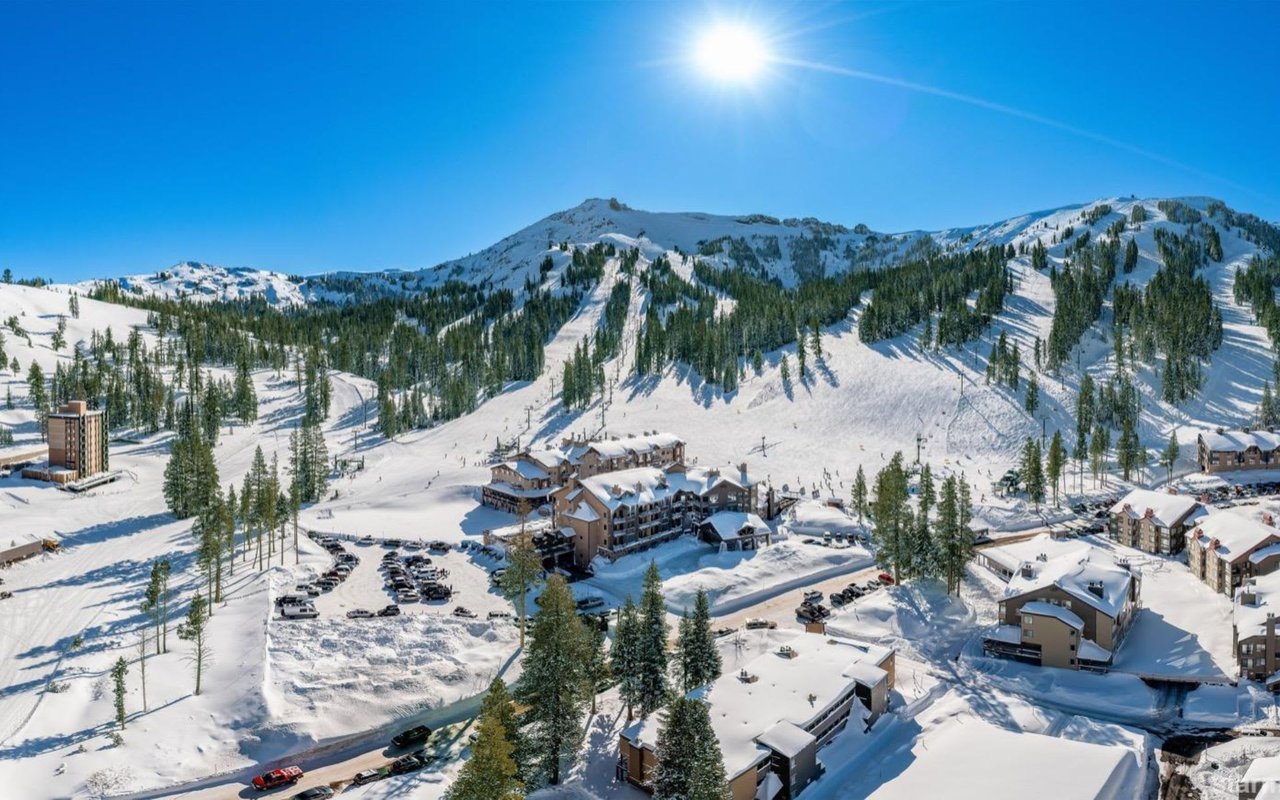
1071 610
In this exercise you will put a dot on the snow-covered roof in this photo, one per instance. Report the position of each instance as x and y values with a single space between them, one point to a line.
1089 574
547 458
1041 548
1042 609
508 489
647 485
1262 770
1231 534
1250 619
1239 441
10 541
1092 651
1263 553
999 764
584 513
786 738
792 689
526 469
729 525
1166 509
617 448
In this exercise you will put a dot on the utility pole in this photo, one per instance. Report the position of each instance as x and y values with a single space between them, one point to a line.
919 440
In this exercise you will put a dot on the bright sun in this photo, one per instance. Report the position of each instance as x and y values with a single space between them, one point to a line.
731 53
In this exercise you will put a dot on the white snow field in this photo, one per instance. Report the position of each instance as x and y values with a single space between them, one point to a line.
278 689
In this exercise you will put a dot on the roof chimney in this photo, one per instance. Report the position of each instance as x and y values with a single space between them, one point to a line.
1095 588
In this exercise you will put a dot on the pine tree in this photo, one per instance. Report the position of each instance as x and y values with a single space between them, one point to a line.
1032 401
785 370
690 765
1033 471
500 705
490 772
1268 410
1170 455
524 573
652 665
860 494
60 334
624 656
1098 447
924 556
598 672
1055 463
195 630
697 656
954 542
118 671
554 685
890 512
39 396
1129 452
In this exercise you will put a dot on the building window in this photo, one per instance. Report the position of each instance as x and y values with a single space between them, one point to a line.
1028 634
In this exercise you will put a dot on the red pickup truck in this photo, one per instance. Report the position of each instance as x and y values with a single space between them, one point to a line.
277 778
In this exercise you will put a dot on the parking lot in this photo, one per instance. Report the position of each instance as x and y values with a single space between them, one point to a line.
368 588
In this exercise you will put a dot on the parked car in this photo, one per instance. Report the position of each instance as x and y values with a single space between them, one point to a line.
392 610
721 632
408 763
393 543
501 615
314 793
836 598
436 591
813 596
438 546
415 735
408 596
495 577
359 613
885 578
277 778
758 624
309 589
464 612
367 776
367 540
413 545
283 600
306 611
586 603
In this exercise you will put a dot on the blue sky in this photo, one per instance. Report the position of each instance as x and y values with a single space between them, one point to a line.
311 136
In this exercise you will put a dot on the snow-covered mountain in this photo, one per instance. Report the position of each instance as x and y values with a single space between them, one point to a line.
790 250
198 281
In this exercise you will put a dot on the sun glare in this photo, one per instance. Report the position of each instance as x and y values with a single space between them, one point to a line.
731 53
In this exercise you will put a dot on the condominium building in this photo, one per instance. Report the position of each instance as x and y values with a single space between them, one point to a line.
1156 522
773 716
1253 623
1070 609
1221 547
1234 451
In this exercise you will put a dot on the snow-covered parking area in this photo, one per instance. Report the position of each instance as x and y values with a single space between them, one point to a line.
366 587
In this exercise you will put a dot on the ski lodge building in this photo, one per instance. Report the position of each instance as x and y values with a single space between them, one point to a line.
774 715
532 476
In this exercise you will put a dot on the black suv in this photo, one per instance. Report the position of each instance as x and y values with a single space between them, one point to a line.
415 735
